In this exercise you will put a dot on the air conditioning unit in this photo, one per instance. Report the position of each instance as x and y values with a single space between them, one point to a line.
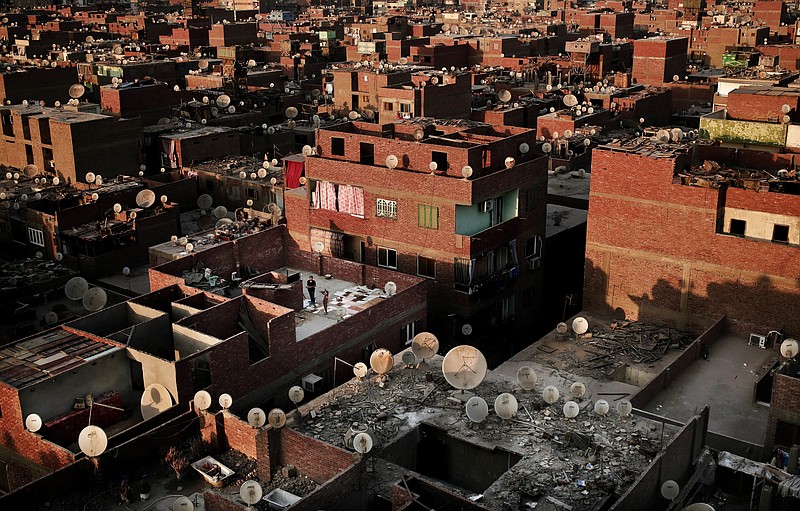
312 383
487 206
534 263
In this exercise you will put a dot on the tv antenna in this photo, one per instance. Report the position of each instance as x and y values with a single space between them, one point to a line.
464 367
526 378
506 406
251 493
155 400
276 418
202 400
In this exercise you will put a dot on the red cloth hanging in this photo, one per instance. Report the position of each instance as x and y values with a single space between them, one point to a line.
294 170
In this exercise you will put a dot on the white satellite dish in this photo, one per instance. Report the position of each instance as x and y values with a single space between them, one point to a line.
183 241
571 409
676 134
466 329
409 358
789 348
225 401
547 147
220 212
262 173
786 109
362 443
510 162
526 378
76 90
663 136
433 166
223 101
601 407
95 299
30 170
580 326
390 288
92 441
506 406
183 504
256 417
524 148
117 208
381 361
360 370
464 367
477 409
624 408
670 489
419 134
550 394
51 318
155 400
562 328
699 506
204 201
504 95
145 198
202 400
76 287
251 492
391 161
291 112
307 150
33 423
276 418
466 171
577 389
296 394
424 345
570 100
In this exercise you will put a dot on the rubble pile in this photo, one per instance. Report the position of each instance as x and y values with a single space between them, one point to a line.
26 272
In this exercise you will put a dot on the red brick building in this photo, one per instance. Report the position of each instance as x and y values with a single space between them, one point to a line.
665 242
477 239
656 60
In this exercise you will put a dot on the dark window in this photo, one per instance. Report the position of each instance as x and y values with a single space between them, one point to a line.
8 123
29 153
337 146
366 154
441 160
44 131
738 227
426 267
209 185
387 258
251 194
528 297
388 106
786 434
531 199
780 233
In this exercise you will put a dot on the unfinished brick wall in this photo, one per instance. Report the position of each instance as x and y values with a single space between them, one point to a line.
317 460
784 406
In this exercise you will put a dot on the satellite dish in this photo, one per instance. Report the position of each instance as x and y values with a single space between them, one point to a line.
402 61
30 170
145 198
51 318
256 417
220 212
547 147
504 95
526 378
189 247
117 208
789 348
291 112
570 100
203 64
90 177
390 288
223 101
381 361
33 423
360 370
251 492
424 345
624 408
76 287
464 367
699 506
183 504
601 407
524 148
353 115
155 399
225 401
296 394
786 109
510 162
409 358
466 171
183 241
506 406
577 389
433 166
663 135
231 109
276 418
670 489
204 201
580 326
307 150
95 299
362 443
562 328
262 173
676 134
76 90
92 441
477 409
202 400
550 394
466 329
391 161
571 409
419 134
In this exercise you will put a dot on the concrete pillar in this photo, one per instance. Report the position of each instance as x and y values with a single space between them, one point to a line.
765 503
